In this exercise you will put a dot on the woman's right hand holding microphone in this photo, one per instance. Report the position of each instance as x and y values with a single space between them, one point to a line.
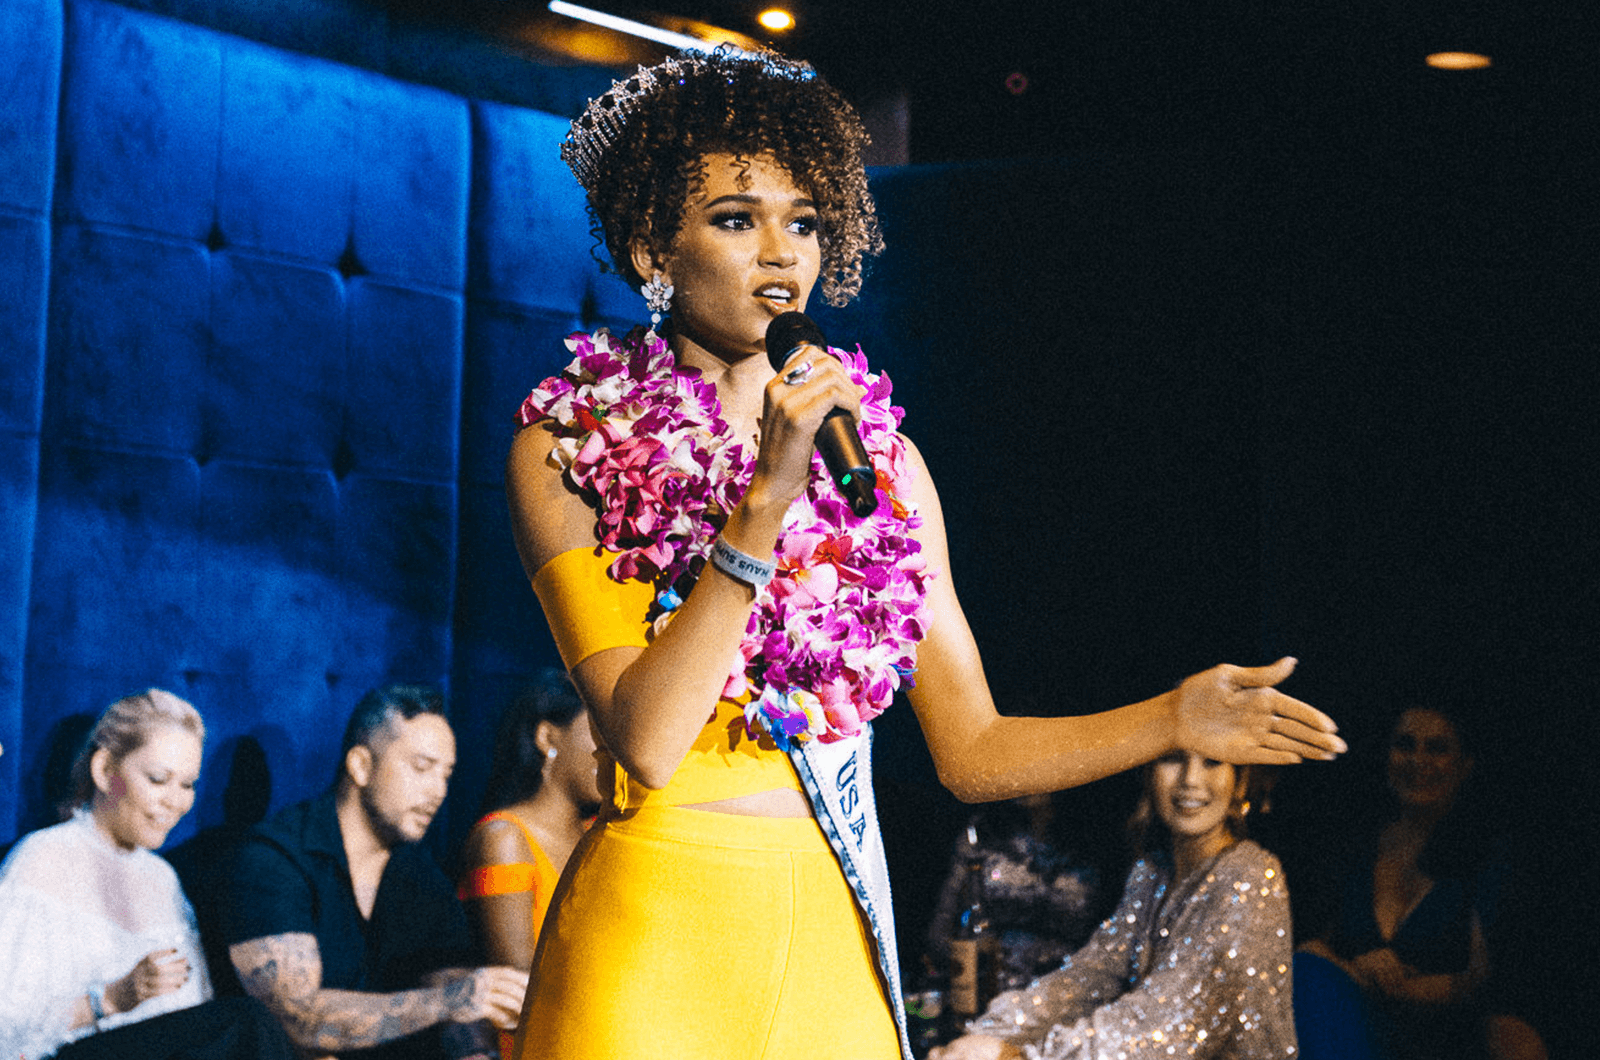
812 384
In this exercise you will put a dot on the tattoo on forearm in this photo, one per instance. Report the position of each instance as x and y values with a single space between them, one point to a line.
458 993
284 972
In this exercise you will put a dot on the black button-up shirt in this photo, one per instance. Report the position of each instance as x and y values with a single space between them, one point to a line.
291 876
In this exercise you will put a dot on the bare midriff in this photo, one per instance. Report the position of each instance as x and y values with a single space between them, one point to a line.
780 802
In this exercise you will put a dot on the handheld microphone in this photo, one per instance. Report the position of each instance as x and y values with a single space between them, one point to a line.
837 438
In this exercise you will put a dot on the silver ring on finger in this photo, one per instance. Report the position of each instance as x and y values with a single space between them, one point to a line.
798 374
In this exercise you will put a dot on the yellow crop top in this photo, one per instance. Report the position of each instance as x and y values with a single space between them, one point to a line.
588 613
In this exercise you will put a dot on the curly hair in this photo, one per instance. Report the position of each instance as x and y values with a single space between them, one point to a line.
644 156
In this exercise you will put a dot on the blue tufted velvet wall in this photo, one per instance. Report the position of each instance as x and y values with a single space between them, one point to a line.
266 319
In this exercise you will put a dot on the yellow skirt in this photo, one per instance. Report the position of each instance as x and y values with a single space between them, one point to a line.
691 935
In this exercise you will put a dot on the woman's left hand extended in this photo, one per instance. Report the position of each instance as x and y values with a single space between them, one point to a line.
976 1047
1234 714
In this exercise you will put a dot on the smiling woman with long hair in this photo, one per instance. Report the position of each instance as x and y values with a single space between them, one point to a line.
1407 926
1194 961
734 626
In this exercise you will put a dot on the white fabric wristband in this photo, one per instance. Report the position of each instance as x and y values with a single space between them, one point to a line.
740 565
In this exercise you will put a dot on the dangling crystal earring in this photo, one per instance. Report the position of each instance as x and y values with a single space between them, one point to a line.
657 297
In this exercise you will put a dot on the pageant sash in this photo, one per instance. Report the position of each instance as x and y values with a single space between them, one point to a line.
838 779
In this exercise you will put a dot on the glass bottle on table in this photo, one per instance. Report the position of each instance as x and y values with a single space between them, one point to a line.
974 954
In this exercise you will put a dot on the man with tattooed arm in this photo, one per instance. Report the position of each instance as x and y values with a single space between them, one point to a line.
342 925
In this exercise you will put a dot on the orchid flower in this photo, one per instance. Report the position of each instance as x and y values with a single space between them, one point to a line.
834 635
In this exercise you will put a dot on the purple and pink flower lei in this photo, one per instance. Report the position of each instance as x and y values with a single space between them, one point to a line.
834 635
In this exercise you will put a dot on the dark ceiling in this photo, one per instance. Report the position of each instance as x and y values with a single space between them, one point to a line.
1002 78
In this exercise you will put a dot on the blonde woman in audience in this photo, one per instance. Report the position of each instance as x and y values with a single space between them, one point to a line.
99 956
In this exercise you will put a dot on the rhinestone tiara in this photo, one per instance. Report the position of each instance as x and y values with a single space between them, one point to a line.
602 122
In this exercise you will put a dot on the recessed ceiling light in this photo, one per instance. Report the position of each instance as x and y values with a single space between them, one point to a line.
1457 61
776 19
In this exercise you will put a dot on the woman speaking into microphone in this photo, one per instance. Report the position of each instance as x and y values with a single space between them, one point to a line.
732 622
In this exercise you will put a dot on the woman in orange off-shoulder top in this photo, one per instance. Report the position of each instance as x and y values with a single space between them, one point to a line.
540 799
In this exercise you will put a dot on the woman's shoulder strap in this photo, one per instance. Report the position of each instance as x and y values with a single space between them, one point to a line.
513 819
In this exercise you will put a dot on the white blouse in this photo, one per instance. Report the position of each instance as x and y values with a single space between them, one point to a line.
77 911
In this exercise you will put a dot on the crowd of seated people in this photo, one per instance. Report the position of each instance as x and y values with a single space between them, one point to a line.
344 938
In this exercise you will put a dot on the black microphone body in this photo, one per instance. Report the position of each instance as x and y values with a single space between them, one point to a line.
837 439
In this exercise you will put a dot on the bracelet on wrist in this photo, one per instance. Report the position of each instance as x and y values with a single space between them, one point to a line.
741 565
97 1004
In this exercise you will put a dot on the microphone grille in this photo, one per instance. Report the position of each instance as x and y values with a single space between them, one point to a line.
787 331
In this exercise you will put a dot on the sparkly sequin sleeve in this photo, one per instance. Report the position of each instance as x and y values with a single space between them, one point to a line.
1095 975
1205 973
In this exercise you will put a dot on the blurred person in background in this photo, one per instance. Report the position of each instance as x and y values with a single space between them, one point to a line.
1039 892
541 797
341 923
1410 921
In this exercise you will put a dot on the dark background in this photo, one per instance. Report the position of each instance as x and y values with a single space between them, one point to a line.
1299 362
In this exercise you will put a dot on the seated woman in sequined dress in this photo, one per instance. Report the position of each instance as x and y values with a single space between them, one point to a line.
1194 961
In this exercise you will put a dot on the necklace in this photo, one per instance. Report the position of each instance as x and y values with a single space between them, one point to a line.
833 636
